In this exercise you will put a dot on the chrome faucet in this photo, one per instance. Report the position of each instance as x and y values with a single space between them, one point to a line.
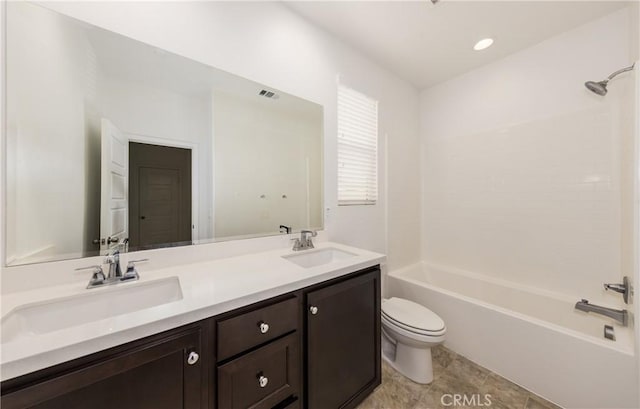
622 316
115 275
304 242
113 260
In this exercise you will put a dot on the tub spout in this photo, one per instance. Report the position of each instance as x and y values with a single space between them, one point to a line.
622 316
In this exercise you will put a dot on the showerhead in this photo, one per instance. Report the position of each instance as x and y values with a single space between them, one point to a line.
600 87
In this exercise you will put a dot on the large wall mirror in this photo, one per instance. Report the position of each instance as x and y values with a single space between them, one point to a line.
114 143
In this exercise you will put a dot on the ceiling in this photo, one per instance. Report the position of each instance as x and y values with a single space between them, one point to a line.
427 44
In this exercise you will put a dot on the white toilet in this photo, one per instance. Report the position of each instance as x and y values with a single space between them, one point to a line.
409 330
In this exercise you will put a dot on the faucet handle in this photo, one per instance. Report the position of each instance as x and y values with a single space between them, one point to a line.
297 245
97 278
132 273
132 263
626 289
619 288
313 233
95 268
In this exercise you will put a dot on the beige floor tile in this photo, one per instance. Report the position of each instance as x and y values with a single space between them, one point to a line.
468 371
536 402
392 394
448 387
505 392
453 374
415 388
442 356
430 400
387 371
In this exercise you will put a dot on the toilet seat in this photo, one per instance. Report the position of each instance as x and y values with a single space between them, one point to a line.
412 317
411 338
411 330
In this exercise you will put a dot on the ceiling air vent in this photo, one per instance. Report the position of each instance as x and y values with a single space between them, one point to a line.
268 94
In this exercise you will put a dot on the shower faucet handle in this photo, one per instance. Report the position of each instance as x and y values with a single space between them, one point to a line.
626 289
619 288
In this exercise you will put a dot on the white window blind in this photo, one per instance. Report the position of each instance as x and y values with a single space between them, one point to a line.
357 148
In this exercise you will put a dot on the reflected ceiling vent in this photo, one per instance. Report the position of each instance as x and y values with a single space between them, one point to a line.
268 94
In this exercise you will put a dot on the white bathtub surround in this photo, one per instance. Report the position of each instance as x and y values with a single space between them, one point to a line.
533 338
208 287
527 175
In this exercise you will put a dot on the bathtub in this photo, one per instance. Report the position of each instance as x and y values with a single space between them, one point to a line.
532 337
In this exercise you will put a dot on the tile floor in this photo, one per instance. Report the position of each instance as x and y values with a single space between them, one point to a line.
453 374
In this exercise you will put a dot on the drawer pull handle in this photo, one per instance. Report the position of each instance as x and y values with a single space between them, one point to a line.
263 381
264 327
313 309
193 358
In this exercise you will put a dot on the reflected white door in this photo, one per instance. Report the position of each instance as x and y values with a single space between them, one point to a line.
114 192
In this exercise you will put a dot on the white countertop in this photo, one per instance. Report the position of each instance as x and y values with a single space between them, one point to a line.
208 288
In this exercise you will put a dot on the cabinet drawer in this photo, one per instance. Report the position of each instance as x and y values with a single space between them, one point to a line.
242 332
261 378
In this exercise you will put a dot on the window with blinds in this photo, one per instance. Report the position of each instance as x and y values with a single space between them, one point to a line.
357 148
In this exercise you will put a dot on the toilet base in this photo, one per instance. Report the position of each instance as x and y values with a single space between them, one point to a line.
414 363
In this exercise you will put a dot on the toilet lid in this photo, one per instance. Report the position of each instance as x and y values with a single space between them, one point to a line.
411 314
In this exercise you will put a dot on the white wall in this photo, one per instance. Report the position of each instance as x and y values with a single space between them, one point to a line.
527 176
268 43
49 137
268 166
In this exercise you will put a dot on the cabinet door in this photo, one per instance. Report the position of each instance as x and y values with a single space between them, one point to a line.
262 378
155 376
343 342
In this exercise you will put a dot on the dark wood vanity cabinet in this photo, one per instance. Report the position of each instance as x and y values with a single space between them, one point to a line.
343 341
318 348
259 362
163 371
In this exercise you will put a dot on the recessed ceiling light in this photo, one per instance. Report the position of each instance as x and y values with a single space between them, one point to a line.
482 44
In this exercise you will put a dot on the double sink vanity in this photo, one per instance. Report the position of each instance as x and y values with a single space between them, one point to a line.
278 328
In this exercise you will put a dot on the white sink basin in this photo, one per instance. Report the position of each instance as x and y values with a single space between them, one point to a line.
93 305
318 257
